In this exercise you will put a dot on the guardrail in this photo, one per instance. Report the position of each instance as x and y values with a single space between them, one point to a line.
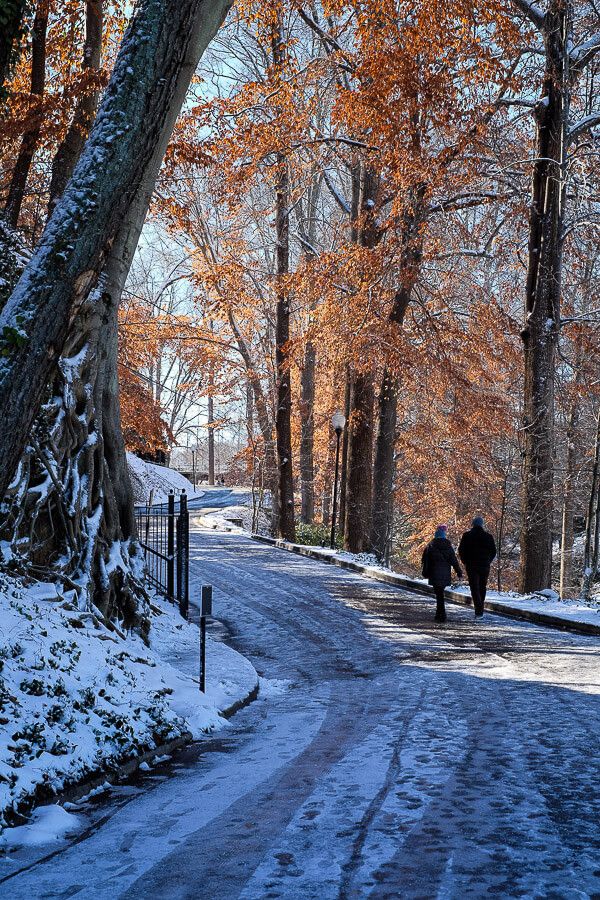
164 533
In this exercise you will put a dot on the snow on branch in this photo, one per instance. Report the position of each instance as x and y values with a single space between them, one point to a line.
532 11
528 104
582 56
341 201
585 124
310 248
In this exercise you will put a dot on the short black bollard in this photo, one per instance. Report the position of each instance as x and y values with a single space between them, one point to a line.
205 610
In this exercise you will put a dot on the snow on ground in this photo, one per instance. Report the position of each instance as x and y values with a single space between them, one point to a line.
547 602
233 515
148 478
47 824
77 699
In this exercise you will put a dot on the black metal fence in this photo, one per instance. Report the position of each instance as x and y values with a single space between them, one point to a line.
164 533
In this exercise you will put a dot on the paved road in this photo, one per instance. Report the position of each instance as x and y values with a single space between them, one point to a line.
220 499
216 498
389 757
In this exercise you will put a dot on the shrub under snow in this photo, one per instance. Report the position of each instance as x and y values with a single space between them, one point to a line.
77 699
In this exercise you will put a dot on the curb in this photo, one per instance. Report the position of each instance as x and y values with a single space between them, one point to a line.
241 704
121 772
403 581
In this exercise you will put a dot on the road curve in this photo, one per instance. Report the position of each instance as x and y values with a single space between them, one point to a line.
388 756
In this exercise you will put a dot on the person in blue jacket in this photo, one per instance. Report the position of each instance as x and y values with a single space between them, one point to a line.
438 561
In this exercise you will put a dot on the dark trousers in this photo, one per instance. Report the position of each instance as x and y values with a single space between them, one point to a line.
478 579
440 606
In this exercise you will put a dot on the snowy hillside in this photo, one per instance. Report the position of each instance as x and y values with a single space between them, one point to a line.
147 477
77 698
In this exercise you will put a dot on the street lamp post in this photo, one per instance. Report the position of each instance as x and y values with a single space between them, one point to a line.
338 422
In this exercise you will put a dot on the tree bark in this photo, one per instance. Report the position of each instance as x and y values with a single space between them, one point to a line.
568 510
307 227
156 62
385 467
71 147
358 512
307 468
542 312
265 423
31 138
211 431
326 496
345 443
360 461
14 14
592 525
283 418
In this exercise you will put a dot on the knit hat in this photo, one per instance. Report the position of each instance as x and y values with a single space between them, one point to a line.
440 531
478 521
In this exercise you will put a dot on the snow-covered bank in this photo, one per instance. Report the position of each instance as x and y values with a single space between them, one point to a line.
148 479
544 608
77 699
546 603
240 517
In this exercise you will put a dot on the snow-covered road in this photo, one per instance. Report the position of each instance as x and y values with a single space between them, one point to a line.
388 756
217 498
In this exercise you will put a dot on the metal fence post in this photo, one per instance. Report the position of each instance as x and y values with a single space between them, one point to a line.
179 559
183 556
171 548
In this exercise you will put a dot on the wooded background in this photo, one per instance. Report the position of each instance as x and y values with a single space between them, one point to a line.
385 208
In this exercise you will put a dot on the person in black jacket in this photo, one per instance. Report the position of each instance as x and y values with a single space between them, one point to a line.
477 550
439 559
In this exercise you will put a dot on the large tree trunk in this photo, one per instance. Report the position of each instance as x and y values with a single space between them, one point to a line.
307 219
71 147
568 510
12 29
211 430
265 423
345 444
358 511
157 60
385 466
326 496
360 461
542 313
592 525
307 468
283 418
82 523
31 138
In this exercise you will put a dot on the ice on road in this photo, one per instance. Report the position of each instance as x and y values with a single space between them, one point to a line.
387 756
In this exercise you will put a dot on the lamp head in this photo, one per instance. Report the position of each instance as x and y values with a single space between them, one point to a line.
338 421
